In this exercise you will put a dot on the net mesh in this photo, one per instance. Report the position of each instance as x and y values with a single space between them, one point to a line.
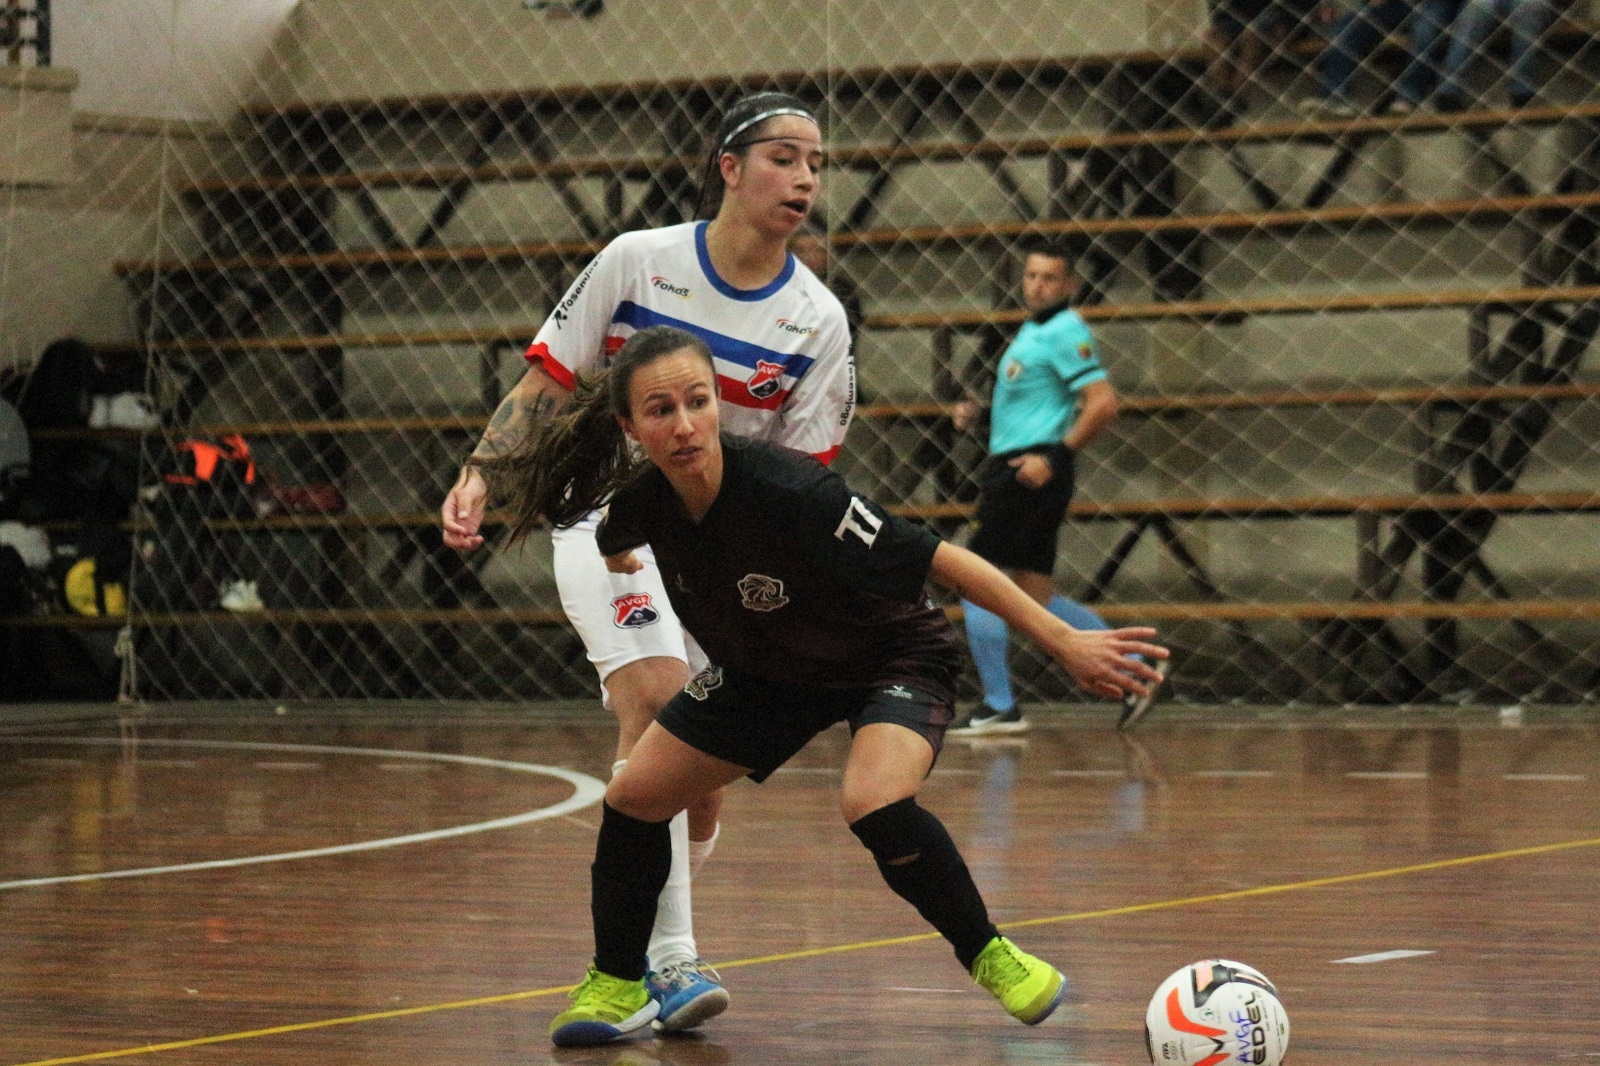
1357 444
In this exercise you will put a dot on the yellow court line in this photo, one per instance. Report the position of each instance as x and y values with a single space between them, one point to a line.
863 945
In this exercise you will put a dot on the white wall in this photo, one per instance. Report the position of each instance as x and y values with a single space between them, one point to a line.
171 59
340 49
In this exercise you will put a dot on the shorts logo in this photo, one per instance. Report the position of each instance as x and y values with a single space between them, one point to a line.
701 684
680 291
762 593
765 381
899 692
634 611
790 327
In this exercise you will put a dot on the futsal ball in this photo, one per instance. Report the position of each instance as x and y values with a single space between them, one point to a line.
1216 1012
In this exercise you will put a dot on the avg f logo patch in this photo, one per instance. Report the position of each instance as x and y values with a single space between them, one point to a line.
765 381
634 611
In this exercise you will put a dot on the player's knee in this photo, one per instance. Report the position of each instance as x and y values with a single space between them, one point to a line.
856 802
633 795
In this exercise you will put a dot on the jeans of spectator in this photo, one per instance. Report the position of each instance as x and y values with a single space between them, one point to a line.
1359 33
1427 35
1528 20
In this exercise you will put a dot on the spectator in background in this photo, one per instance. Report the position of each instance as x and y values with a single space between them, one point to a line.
1051 398
812 249
1242 34
1359 33
1528 21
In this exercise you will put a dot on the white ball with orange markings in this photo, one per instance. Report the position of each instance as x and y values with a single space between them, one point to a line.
1215 1013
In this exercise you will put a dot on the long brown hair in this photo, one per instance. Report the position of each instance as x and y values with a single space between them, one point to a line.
573 461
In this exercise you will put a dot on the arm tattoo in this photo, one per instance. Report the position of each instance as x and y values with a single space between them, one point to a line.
511 424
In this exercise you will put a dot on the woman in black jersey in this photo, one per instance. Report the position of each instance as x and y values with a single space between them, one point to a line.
809 600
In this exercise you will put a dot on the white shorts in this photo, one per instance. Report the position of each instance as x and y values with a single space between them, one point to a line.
621 618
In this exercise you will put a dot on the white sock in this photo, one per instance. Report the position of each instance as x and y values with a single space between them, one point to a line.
672 937
700 850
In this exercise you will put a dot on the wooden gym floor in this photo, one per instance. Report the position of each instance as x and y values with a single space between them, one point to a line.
442 910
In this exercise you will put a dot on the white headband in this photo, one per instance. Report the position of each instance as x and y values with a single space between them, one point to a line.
774 113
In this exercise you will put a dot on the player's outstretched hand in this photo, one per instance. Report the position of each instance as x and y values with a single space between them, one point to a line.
462 513
624 562
1100 660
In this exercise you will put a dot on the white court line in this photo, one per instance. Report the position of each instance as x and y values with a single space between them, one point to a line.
1089 773
183 764
1382 956
1388 775
1235 773
587 791
1544 777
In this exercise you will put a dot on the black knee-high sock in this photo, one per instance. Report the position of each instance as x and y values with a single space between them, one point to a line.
631 862
920 862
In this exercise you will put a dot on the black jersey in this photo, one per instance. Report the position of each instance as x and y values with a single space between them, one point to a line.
790 575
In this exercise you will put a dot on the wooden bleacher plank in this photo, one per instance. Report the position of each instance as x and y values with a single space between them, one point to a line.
643 167
823 81
1352 216
1419 395
1339 303
1296 506
1122 613
330 616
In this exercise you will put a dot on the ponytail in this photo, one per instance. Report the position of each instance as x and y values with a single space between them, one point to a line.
566 467
571 463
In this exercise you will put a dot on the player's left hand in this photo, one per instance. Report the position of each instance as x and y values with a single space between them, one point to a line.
1101 661
624 563
1033 470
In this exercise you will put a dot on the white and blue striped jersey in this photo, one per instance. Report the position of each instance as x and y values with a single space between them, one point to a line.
782 352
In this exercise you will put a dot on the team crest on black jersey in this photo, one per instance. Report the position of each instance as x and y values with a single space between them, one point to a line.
634 611
765 381
701 684
762 593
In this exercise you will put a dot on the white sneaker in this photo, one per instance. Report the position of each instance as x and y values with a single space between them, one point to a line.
241 597
124 410
1326 107
1134 707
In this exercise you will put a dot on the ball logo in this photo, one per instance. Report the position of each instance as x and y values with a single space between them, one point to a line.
634 611
764 383
680 291
761 593
790 327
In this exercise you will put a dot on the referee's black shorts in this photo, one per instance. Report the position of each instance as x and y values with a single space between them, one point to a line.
1017 527
760 724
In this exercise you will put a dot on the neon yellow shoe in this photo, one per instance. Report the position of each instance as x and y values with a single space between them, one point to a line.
603 1009
1028 988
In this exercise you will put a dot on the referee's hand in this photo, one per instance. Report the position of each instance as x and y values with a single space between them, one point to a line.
1033 470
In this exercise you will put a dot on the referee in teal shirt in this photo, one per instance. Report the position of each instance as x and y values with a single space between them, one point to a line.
1051 398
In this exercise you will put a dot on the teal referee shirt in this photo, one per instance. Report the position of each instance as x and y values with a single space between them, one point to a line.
1035 392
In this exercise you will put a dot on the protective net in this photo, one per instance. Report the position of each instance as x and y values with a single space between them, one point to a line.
1345 307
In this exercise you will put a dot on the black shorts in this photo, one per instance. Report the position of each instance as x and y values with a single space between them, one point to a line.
1017 527
759 724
